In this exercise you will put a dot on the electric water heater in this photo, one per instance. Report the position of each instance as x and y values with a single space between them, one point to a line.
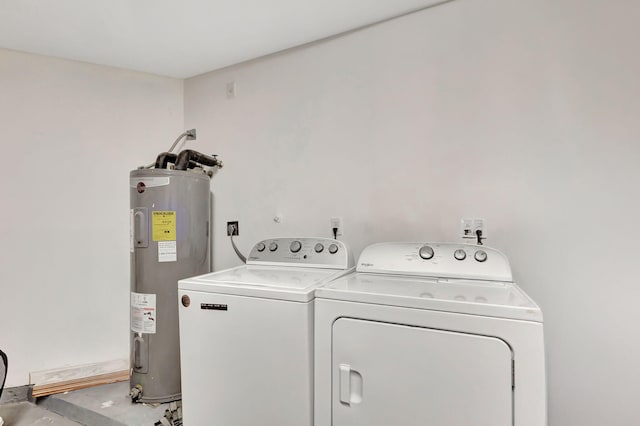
169 241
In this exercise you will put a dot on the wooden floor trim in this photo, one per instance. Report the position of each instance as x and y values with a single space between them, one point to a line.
68 379
85 382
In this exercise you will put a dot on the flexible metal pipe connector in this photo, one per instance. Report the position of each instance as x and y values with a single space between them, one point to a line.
189 134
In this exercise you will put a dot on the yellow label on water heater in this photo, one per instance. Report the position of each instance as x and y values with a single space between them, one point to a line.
163 224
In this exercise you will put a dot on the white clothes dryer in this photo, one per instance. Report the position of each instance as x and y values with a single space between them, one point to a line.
246 334
428 334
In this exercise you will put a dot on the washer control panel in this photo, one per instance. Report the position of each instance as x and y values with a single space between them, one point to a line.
304 252
440 260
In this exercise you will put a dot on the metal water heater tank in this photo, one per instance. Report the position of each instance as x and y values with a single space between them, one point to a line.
170 240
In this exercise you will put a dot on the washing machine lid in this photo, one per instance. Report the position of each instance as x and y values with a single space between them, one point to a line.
271 282
475 297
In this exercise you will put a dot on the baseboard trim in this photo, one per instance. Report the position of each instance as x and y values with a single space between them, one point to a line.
68 379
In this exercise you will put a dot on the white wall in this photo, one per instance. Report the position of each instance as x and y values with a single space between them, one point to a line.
524 113
70 134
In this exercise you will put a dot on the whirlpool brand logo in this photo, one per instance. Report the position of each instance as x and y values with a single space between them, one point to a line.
214 306
366 264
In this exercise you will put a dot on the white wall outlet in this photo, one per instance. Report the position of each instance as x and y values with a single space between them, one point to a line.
466 228
479 225
231 90
336 222
469 227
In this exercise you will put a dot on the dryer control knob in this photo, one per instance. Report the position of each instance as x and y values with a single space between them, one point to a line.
273 246
480 255
260 246
460 254
333 249
426 252
295 246
318 248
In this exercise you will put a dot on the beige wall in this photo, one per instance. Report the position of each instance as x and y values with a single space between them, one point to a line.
523 112
70 133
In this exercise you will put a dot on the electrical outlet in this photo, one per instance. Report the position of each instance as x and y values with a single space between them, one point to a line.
478 225
466 228
236 229
469 227
336 222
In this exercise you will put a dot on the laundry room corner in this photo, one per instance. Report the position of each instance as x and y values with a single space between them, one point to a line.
523 113
434 198
72 131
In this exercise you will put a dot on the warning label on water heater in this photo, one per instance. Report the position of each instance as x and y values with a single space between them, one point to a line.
143 313
163 224
167 251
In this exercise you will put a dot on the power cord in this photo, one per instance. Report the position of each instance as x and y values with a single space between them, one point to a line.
231 229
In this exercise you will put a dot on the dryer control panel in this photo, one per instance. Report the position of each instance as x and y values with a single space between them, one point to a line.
303 252
440 260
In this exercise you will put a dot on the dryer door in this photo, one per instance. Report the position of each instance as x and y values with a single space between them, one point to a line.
388 374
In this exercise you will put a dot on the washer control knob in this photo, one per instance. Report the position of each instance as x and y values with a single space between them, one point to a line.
260 246
426 252
333 248
273 246
319 248
295 246
480 255
460 254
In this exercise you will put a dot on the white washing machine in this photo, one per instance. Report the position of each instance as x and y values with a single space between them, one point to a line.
246 334
428 334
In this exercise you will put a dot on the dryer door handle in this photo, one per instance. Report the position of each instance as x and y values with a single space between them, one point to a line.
350 385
